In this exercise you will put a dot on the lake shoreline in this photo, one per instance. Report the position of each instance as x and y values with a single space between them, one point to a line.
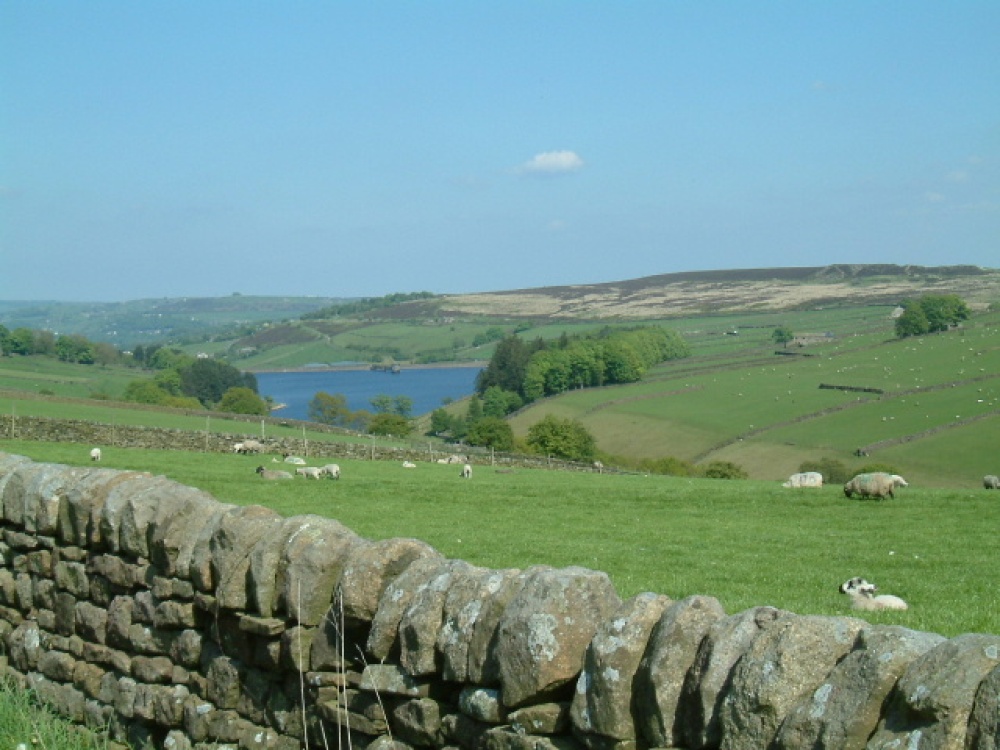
367 366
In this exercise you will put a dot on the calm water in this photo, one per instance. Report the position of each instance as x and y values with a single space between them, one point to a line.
427 387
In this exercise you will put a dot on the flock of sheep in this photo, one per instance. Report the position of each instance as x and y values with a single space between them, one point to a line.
874 484
331 471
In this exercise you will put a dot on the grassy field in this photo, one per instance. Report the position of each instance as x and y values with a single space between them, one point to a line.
768 413
745 542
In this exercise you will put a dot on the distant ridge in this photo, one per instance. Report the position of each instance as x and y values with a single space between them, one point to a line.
687 292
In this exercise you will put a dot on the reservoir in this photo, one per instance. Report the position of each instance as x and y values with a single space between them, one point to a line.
427 386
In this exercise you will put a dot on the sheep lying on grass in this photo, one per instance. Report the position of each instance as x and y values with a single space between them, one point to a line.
409 465
95 454
271 474
991 482
804 479
863 596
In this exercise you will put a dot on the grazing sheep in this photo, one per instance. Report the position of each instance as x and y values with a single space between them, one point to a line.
804 479
991 482
466 472
250 446
95 454
409 465
599 467
237 447
863 596
331 470
271 474
898 481
310 472
877 484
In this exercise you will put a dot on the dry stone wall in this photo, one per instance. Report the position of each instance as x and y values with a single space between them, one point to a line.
45 429
132 602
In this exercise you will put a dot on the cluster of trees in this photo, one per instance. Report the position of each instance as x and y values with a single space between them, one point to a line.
390 415
931 313
531 370
365 305
188 382
66 348
520 372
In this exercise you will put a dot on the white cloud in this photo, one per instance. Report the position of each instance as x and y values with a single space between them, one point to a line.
552 162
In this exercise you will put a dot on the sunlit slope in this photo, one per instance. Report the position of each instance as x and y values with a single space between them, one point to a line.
769 416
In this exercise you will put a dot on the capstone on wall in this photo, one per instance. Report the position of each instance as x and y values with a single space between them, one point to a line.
132 602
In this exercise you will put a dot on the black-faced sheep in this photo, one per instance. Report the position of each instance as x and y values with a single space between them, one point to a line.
95 454
877 484
271 474
863 596
467 471
804 479
991 482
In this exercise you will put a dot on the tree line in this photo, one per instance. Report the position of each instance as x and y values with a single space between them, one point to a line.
72 347
180 381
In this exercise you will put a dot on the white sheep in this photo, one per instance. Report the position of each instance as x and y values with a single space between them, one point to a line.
331 470
249 446
271 474
297 460
409 465
863 596
898 481
237 447
804 479
310 472
467 471
991 482
95 454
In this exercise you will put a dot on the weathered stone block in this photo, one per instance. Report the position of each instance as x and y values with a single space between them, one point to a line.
546 628
57 665
933 700
72 577
783 665
421 623
842 713
724 644
91 622
659 680
172 615
370 568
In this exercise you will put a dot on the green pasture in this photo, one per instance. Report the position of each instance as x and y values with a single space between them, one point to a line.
747 543
13 406
37 374
769 413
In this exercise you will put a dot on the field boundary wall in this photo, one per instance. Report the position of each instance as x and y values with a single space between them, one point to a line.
46 429
135 603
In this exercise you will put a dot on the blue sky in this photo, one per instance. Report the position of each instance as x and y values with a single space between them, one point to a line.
165 149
